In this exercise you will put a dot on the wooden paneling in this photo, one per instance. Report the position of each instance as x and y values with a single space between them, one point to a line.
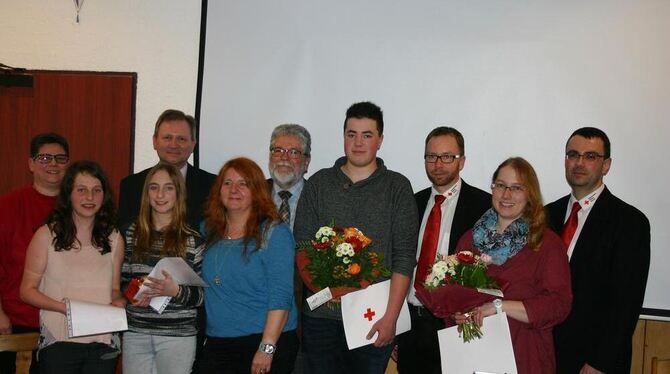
95 111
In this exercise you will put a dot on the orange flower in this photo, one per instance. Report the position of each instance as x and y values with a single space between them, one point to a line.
354 269
352 232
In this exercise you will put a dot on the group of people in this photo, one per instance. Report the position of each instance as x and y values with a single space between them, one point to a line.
61 238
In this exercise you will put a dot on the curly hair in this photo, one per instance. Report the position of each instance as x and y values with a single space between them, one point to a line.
262 207
534 212
177 232
61 221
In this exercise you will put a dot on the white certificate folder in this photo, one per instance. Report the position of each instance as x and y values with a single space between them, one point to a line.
180 272
84 318
362 309
492 354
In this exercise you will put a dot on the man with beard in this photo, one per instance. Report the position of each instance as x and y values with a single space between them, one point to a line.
608 244
290 147
460 206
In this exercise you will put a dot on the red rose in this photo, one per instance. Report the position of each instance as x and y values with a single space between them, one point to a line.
356 243
318 245
465 257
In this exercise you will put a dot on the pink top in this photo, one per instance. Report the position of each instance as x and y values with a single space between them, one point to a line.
82 274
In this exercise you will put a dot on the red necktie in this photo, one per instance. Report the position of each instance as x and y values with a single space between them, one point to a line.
570 225
431 235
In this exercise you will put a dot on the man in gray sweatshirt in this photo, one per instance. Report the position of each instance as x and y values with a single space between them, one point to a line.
359 191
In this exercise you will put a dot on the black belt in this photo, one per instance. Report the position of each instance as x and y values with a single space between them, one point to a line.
420 311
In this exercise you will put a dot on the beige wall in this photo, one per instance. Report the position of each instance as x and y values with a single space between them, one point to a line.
158 39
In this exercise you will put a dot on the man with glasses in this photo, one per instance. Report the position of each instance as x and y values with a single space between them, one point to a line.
290 147
359 191
24 211
449 208
608 244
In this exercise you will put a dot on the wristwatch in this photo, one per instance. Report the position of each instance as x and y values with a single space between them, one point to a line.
267 348
497 303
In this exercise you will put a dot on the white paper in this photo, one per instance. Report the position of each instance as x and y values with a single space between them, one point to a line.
85 318
319 298
361 309
181 273
493 353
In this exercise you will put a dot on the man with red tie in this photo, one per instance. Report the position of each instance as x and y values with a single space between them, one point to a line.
449 208
608 244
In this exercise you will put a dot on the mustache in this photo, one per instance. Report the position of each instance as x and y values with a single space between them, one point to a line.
283 163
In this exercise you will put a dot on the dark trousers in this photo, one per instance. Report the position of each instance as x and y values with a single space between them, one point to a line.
8 359
325 347
78 358
234 355
418 348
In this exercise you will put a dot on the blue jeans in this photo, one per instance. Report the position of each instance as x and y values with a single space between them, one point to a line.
326 351
147 354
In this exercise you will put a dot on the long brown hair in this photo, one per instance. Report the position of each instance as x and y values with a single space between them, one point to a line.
262 206
177 232
60 221
534 212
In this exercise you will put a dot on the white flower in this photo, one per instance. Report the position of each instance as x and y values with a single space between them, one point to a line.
324 232
346 260
345 249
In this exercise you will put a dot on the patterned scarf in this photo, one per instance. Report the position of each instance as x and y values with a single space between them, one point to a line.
499 246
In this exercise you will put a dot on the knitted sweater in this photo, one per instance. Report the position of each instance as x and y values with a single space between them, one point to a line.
179 317
382 206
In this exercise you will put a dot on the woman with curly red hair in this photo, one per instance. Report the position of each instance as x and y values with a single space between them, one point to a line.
248 264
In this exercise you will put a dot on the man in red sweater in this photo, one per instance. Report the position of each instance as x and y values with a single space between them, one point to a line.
22 212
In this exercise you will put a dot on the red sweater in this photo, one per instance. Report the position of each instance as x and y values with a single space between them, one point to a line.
22 212
541 280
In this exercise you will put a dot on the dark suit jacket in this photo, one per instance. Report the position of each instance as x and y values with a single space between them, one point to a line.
472 203
609 267
198 184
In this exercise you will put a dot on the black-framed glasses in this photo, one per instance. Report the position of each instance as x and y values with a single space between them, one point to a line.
446 158
500 188
46 158
291 153
588 156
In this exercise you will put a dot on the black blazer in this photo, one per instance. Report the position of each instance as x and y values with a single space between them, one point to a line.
472 203
198 184
609 267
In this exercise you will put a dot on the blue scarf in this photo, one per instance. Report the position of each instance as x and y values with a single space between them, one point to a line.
499 246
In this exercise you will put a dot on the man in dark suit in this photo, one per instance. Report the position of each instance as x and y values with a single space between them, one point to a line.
608 246
461 206
290 150
174 139
290 147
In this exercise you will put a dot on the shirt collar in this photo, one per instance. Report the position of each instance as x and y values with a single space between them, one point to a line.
451 193
587 202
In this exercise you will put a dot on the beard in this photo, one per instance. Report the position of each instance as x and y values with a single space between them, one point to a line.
287 179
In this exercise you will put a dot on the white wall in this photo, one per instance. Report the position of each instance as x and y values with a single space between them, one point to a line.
157 39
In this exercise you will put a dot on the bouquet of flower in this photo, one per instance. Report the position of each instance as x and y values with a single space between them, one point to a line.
458 283
340 258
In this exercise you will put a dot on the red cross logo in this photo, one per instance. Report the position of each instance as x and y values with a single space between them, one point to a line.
369 314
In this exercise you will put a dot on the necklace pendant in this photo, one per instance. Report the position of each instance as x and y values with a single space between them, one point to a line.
217 280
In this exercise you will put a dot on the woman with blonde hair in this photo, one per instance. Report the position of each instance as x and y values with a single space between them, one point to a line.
530 258
248 264
161 342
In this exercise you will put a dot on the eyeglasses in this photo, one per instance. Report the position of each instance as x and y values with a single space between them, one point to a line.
588 156
45 158
447 159
291 153
500 188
